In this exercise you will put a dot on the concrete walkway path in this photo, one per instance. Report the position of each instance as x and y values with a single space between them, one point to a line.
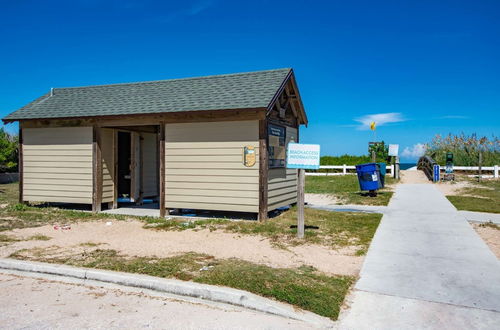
426 268
481 217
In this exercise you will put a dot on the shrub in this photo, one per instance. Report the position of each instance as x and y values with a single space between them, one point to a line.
465 149
8 151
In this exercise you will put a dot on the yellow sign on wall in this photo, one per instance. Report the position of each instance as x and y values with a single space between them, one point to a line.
249 156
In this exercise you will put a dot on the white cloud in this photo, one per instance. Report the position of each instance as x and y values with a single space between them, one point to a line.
416 151
380 119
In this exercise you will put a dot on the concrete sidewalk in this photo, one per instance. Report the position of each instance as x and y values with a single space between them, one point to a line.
426 268
481 217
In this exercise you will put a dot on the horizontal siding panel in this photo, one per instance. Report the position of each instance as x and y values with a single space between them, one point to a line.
72 176
237 158
213 131
42 181
57 152
211 145
56 187
279 198
213 172
206 171
210 165
173 192
282 191
59 164
212 199
282 184
211 179
58 199
286 202
59 158
60 170
210 185
212 206
57 135
53 193
204 152
76 148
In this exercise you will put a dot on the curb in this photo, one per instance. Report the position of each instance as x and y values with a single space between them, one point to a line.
183 288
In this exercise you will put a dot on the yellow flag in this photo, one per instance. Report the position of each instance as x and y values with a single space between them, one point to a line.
373 125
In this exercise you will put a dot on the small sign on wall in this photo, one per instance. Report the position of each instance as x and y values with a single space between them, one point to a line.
249 156
303 156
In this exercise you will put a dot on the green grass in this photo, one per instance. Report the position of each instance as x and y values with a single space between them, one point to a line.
336 229
16 216
7 239
303 287
483 197
9 193
346 189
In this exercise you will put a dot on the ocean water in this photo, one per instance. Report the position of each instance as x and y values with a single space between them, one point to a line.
405 166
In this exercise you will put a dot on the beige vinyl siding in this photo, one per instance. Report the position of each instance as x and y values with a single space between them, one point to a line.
108 164
204 166
149 165
282 182
57 164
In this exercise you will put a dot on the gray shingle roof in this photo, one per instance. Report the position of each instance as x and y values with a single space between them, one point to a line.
229 91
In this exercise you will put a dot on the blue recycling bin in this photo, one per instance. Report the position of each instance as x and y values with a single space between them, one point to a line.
383 171
368 176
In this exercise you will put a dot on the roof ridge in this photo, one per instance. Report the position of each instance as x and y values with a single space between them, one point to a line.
176 79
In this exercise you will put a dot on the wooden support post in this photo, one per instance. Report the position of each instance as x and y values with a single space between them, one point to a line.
263 170
300 203
20 164
161 177
115 169
96 169
480 167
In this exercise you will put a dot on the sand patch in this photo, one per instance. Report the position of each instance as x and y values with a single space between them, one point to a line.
410 177
322 199
491 236
129 238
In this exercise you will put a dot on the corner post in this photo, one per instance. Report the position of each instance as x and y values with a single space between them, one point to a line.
20 164
115 169
263 170
96 169
162 169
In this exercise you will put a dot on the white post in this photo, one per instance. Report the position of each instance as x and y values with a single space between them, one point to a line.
345 169
495 171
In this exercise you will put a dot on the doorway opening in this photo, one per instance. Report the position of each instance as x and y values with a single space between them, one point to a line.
124 163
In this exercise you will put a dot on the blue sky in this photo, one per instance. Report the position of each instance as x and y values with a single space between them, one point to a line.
424 67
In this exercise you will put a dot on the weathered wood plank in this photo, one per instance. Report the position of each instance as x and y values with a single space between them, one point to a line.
161 146
263 170
96 169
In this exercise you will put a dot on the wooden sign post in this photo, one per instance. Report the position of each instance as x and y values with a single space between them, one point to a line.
301 157
300 203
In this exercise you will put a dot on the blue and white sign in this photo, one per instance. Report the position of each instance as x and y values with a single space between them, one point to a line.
436 173
304 156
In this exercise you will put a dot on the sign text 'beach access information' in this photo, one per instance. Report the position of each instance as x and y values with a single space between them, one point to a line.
304 156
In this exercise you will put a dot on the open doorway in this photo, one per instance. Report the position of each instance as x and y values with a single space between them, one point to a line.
124 166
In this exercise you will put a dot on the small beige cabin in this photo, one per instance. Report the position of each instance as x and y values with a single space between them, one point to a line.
205 143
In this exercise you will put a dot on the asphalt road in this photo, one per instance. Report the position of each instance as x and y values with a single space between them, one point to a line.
31 303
